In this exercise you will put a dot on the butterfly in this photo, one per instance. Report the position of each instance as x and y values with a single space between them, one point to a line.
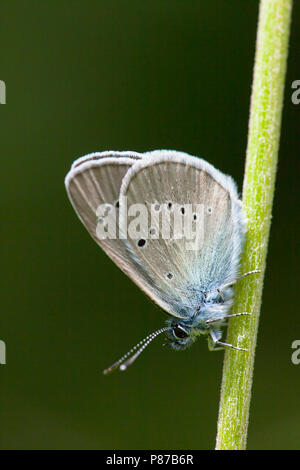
175 225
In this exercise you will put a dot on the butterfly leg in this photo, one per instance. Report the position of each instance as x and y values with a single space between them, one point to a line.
212 320
255 271
212 340
215 338
212 346
221 295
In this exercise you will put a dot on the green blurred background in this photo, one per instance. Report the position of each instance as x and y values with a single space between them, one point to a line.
86 76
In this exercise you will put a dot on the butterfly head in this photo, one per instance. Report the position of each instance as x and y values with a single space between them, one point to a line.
181 334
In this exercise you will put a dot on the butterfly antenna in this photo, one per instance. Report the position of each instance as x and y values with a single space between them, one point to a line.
139 348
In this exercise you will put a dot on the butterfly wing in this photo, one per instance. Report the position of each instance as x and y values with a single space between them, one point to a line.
107 154
181 276
173 276
95 180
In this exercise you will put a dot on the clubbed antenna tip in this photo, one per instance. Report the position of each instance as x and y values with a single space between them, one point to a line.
129 357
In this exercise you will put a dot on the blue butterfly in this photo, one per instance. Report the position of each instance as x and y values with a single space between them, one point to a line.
190 275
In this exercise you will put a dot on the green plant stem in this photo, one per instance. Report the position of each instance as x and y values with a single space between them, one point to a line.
258 190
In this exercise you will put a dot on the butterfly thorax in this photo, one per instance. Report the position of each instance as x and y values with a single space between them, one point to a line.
183 332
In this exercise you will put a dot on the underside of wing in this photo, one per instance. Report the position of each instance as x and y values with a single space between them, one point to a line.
172 271
94 157
92 184
206 200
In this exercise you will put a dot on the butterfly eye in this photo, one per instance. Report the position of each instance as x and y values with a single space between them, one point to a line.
179 332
